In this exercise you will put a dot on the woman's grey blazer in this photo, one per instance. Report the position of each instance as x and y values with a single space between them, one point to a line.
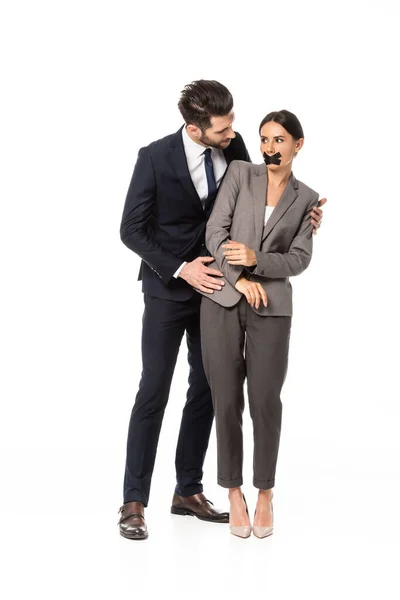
283 246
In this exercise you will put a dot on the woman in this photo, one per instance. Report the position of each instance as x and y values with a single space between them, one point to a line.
260 234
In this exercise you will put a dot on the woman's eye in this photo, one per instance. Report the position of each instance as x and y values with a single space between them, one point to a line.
264 140
280 140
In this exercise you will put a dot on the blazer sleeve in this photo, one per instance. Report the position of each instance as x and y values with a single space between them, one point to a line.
277 265
136 230
219 223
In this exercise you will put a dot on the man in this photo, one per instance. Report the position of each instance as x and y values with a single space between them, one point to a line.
169 200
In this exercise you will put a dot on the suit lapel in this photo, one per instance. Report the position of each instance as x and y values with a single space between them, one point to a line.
259 195
286 200
181 169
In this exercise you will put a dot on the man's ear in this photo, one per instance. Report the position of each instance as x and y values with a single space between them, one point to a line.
194 130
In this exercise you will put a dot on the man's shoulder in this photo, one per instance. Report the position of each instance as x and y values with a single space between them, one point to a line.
237 149
237 141
162 144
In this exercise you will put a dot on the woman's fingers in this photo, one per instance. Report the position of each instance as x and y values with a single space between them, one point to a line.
263 294
237 260
232 244
257 298
233 253
248 296
260 299
255 294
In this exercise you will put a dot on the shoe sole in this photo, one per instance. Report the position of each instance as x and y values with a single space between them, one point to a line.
242 537
183 512
264 536
128 537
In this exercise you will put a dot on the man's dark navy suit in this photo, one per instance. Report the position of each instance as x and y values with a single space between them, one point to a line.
164 223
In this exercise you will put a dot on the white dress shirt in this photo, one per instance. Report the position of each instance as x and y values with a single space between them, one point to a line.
268 212
195 161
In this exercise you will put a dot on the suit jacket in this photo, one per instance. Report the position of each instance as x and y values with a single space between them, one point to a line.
163 220
283 246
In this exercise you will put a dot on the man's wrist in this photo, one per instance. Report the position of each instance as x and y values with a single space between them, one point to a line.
178 271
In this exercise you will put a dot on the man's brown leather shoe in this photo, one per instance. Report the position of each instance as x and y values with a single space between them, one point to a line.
132 524
198 506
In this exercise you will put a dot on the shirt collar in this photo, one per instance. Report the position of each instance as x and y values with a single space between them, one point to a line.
192 149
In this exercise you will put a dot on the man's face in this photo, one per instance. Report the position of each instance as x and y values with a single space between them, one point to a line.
219 134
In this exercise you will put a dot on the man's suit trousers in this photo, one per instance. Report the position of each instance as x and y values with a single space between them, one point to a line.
164 324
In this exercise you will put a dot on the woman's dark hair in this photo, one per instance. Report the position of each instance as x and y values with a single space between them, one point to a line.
203 99
288 120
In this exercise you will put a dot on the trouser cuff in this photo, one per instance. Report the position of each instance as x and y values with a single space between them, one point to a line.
135 496
189 490
263 485
230 483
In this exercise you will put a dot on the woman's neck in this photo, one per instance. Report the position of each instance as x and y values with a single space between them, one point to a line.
279 178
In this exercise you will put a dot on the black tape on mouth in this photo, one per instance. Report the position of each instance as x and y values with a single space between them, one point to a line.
275 159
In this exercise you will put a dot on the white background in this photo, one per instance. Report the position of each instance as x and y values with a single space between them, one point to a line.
85 85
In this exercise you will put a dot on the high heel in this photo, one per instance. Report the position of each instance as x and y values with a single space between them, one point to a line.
263 532
243 531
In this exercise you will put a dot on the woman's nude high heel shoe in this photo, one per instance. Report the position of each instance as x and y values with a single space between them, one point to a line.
263 532
243 531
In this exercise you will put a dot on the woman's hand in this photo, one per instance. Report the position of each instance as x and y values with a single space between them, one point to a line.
239 254
253 291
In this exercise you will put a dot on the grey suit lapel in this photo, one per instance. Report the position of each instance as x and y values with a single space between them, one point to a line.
259 198
289 195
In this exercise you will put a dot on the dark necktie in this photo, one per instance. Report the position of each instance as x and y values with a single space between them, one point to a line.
212 186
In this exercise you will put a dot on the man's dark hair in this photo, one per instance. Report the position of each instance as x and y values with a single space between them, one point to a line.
203 99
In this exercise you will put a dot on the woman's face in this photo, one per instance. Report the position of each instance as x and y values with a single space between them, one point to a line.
275 138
